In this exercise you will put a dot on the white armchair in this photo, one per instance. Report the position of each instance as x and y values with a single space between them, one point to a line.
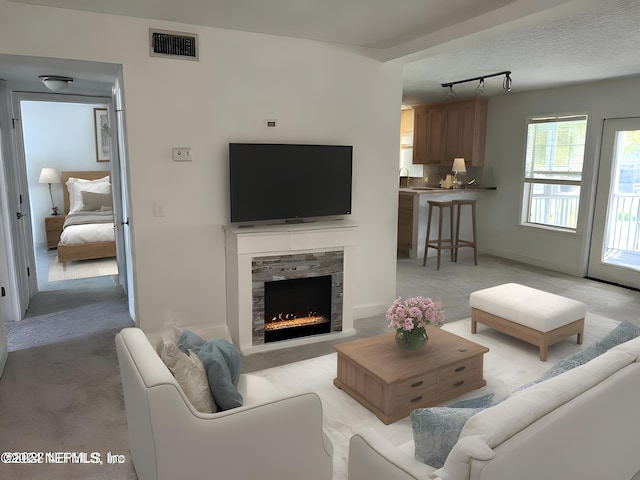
268 437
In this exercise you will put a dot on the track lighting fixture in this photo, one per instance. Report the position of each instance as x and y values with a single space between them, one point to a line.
506 83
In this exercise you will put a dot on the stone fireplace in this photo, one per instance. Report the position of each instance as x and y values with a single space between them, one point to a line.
296 295
304 260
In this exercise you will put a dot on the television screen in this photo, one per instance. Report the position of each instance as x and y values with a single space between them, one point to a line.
288 182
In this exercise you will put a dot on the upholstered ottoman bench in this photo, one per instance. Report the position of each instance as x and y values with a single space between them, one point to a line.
536 317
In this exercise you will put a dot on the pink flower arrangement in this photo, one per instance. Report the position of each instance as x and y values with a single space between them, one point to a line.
415 312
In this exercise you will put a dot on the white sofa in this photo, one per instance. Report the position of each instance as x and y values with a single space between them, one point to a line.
582 424
268 437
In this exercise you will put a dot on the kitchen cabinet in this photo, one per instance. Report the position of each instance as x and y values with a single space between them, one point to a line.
407 218
445 131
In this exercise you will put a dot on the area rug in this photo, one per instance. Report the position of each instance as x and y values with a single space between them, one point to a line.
509 364
82 269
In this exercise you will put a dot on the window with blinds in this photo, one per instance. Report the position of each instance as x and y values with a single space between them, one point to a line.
553 171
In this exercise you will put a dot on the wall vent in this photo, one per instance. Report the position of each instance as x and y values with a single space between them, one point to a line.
164 43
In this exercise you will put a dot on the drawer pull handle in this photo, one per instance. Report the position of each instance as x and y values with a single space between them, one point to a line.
417 384
457 384
459 369
417 399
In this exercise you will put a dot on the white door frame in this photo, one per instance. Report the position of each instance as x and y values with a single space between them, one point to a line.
15 168
597 268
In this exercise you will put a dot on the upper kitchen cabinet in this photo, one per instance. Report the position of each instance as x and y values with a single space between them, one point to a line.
445 131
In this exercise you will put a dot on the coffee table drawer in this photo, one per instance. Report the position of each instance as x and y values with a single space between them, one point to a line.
458 369
415 399
459 376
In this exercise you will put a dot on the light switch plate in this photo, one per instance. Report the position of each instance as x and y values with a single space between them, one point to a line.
182 154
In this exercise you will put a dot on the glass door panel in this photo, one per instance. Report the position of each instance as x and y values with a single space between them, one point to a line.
615 238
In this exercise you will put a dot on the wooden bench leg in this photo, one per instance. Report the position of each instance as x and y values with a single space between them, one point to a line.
474 326
543 353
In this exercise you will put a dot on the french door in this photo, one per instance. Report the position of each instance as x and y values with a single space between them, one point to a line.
615 239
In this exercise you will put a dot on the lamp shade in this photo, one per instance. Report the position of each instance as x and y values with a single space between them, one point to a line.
458 165
49 175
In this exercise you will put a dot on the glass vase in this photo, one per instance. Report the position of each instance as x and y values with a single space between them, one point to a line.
411 340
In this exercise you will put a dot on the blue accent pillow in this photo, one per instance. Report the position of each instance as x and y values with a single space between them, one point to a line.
479 402
221 361
622 333
436 431
189 340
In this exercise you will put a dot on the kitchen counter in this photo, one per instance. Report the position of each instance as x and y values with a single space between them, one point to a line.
438 190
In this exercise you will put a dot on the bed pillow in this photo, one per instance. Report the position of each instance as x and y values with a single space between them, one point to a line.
93 202
75 186
436 431
190 374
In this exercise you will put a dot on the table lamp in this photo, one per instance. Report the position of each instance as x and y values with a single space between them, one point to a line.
458 167
49 176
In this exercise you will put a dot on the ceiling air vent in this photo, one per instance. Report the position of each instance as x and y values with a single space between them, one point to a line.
164 43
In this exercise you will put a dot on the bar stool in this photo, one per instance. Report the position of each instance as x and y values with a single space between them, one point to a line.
439 243
458 204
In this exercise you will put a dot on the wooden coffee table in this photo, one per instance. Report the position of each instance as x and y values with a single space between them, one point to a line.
391 383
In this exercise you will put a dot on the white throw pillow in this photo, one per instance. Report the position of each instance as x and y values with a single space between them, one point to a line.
76 186
190 375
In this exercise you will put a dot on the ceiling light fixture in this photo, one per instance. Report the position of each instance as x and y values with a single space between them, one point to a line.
55 82
506 83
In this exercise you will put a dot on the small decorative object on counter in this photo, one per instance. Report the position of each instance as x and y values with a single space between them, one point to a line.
410 318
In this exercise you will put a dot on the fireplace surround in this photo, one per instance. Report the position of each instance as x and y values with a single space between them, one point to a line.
262 254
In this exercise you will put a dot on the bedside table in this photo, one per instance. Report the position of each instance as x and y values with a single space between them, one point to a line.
53 227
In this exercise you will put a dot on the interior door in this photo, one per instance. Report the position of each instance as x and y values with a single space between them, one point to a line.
122 222
615 239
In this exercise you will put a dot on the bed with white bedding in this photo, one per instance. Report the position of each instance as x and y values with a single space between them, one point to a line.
88 228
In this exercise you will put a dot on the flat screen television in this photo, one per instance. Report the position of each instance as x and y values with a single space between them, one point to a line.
289 182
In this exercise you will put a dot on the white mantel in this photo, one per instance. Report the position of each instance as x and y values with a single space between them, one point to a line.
245 243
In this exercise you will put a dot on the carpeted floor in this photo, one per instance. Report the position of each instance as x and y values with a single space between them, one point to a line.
64 394
509 364
70 324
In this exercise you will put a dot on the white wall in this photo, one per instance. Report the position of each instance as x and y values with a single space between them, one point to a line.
500 232
318 92
61 136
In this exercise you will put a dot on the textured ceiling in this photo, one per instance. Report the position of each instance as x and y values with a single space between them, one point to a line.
589 46
545 43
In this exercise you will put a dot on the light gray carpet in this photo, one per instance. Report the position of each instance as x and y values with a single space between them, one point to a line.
65 395
70 324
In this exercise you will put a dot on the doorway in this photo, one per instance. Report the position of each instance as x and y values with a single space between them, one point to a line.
59 136
614 255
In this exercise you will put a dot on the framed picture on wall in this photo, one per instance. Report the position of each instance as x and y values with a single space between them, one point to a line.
101 124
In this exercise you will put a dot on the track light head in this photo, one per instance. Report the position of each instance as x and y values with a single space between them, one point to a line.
506 83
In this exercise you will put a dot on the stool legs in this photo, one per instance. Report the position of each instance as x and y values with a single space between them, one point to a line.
440 243
466 243
426 245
